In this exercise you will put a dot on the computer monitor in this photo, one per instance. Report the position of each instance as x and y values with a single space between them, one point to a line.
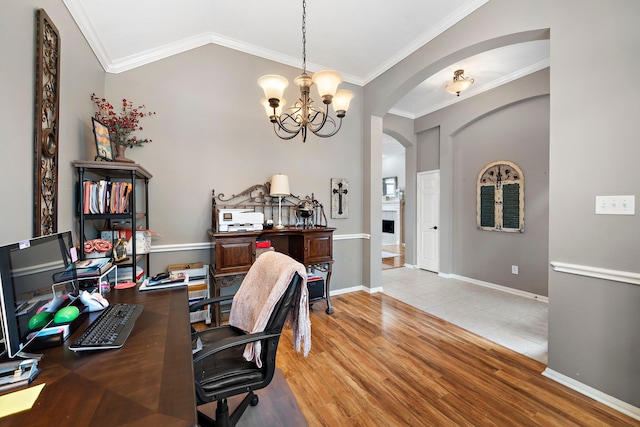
26 279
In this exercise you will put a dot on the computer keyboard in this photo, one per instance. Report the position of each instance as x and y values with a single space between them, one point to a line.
110 330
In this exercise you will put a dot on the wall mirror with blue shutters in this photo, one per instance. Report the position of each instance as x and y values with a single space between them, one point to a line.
500 197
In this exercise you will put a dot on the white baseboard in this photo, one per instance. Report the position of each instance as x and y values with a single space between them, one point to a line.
591 392
506 289
355 289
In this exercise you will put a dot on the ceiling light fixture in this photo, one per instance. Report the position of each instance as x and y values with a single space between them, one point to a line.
459 84
304 115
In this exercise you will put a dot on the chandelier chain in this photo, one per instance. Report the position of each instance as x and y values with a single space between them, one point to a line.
303 115
304 37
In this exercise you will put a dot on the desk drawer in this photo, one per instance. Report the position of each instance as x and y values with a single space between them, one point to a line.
234 255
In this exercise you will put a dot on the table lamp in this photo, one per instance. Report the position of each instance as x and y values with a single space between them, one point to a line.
280 189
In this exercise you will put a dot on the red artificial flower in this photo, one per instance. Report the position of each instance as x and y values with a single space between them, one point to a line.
121 125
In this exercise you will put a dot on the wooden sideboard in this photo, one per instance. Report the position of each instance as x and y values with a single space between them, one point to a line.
233 253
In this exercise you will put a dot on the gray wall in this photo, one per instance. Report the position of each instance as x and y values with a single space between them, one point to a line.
518 133
428 158
80 75
593 324
199 133
211 133
511 123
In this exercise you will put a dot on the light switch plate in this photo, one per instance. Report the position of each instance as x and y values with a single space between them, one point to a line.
616 205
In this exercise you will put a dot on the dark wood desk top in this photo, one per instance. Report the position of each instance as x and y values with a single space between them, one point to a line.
148 382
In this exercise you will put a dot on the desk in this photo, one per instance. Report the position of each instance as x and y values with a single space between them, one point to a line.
233 253
148 382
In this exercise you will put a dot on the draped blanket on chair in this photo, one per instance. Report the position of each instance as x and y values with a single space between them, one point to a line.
261 289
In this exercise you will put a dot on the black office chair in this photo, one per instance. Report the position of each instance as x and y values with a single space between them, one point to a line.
220 368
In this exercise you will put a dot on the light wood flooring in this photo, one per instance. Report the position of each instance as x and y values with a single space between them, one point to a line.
393 262
380 362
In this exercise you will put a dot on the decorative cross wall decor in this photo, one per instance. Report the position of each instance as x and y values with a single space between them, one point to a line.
339 198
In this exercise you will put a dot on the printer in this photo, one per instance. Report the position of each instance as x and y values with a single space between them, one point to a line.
240 220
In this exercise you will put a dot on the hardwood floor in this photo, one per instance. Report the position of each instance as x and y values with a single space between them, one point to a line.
393 262
380 362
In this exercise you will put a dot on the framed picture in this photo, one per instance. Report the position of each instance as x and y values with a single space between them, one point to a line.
103 141
339 198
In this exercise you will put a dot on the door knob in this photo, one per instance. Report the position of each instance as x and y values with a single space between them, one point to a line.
435 227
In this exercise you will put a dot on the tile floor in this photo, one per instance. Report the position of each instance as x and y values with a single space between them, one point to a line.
516 322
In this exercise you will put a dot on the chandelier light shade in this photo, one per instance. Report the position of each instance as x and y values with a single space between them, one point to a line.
273 85
305 115
459 84
327 82
279 189
341 102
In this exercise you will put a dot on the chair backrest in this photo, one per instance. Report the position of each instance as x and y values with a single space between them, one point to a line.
282 307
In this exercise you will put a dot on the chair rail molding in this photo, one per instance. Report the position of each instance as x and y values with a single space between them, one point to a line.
597 272
180 247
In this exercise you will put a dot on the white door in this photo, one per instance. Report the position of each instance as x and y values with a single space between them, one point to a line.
427 220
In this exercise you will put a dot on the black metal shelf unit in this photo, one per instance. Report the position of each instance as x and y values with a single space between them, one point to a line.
137 216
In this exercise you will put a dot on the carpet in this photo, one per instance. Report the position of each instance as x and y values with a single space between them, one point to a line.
386 254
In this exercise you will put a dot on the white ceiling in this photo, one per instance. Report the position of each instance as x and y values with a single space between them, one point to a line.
360 39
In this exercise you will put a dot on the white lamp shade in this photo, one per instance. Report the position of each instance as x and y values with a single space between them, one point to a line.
327 82
273 86
280 185
269 109
342 99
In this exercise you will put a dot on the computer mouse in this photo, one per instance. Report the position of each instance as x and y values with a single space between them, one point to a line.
160 276
94 302
66 314
39 320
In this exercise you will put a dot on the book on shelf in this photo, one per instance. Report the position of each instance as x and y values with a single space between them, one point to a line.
84 268
105 197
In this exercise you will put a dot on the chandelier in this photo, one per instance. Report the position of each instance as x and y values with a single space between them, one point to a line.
459 84
304 115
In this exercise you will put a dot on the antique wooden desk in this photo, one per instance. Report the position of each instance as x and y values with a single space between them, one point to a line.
305 237
233 253
147 382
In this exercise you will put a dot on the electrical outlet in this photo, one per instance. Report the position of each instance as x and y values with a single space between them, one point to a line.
514 269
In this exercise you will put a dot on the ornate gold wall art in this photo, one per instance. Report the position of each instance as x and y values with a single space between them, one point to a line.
47 105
